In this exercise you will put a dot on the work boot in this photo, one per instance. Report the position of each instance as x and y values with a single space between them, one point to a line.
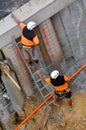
37 61
30 62
31 65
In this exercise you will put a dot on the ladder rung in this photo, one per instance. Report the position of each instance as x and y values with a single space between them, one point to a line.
43 87
38 80
50 102
47 94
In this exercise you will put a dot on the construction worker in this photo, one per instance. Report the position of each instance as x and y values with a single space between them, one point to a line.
29 40
60 84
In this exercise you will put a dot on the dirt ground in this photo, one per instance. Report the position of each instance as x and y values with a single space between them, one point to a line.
59 118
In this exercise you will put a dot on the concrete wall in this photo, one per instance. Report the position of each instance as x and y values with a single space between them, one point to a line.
70 25
51 42
36 10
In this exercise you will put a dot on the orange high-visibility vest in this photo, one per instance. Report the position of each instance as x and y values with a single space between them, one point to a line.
28 42
61 87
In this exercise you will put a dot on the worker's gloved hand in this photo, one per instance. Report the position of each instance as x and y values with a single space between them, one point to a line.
20 45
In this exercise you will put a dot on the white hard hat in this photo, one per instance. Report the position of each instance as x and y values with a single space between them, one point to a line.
54 74
31 25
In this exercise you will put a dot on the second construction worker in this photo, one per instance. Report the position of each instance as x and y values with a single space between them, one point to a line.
29 39
60 83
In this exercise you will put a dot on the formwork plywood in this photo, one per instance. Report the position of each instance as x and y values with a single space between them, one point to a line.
20 69
51 42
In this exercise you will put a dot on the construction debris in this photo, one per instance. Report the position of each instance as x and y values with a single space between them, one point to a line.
58 118
44 117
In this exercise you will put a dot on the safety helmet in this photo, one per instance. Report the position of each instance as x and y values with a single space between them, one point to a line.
54 74
31 25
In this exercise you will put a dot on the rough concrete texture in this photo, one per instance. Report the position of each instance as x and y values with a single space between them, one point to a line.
32 10
70 26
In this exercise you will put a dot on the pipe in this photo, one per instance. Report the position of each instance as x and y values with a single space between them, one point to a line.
78 71
34 111
48 98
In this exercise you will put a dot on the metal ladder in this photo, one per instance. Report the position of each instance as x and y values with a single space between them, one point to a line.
45 89
40 85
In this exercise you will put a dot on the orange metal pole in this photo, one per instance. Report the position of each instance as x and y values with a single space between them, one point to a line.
78 71
34 111
49 97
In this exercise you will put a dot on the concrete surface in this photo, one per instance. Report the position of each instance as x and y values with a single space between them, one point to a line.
37 11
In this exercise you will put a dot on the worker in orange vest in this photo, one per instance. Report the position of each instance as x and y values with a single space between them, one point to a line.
29 39
60 84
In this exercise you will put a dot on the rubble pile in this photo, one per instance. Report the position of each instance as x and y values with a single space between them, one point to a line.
58 118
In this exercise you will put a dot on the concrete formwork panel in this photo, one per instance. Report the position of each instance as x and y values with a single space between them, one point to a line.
70 24
20 69
51 42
